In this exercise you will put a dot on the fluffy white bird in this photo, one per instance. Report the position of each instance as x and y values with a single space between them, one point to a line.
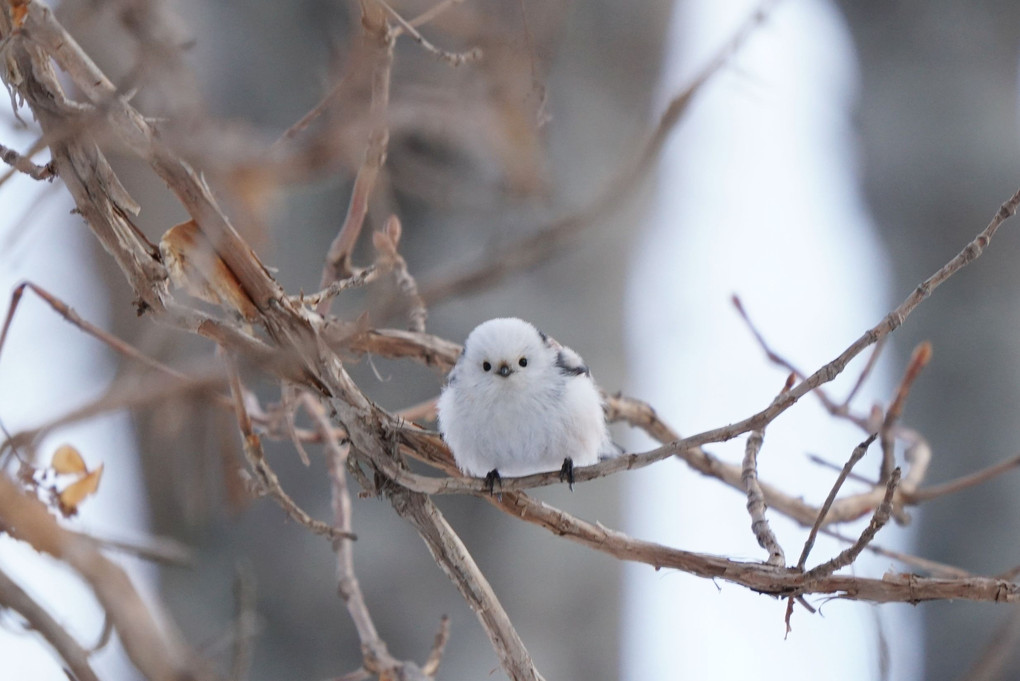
517 402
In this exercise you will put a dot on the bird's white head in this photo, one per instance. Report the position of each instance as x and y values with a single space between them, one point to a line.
506 351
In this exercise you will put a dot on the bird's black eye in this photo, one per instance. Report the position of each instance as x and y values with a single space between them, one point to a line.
486 366
523 361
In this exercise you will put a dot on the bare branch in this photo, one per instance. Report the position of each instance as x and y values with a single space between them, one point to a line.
165 550
377 656
766 579
156 652
962 483
756 502
74 656
68 313
892 321
453 557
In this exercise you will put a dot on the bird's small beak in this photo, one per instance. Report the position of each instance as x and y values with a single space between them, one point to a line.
505 370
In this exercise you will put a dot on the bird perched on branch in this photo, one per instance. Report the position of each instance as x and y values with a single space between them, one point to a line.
517 402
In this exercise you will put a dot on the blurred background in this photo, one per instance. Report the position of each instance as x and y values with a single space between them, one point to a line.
846 151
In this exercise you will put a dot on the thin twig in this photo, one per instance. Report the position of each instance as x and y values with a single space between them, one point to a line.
337 265
451 58
963 482
433 12
387 244
68 313
821 461
435 658
23 165
932 567
164 550
126 393
839 410
869 366
377 657
309 117
266 479
918 360
363 276
891 322
289 404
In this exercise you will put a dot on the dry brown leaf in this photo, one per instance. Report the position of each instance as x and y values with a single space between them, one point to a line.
75 493
67 461
19 10
194 266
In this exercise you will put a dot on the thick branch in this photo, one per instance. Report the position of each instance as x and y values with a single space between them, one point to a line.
451 555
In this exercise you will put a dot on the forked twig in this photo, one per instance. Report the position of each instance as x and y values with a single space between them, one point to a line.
881 516
858 453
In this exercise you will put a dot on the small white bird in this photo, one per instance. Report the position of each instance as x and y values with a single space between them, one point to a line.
517 402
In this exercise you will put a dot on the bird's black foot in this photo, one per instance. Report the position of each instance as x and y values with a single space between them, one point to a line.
492 478
567 472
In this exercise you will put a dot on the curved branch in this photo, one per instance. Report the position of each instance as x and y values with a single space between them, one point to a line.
760 577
